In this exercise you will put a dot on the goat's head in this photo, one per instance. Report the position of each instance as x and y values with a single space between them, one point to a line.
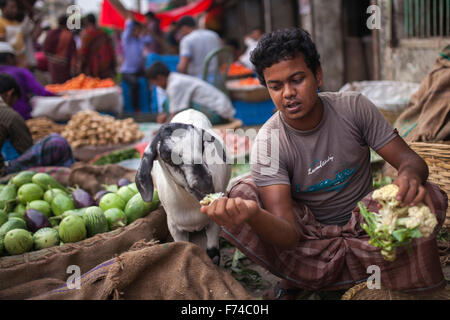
185 153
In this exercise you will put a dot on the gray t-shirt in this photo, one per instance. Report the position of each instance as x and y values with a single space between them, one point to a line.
328 167
197 45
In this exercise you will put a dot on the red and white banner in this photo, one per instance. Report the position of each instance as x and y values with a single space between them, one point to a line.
111 18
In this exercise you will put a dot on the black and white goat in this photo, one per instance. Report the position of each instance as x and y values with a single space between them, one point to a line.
190 163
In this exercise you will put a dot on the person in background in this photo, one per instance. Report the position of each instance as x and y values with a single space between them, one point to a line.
44 27
30 32
96 55
195 45
11 29
184 91
134 38
52 150
61 52
170 37
133 42
152 26
26 80
251 40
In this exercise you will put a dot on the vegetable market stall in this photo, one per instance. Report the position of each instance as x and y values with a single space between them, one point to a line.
90 134
35 220
111 264
78 94
42 126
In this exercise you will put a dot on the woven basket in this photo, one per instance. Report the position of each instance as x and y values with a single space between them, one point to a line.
437 156
361 292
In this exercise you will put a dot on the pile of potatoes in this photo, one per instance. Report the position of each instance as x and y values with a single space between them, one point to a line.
42 126
92 128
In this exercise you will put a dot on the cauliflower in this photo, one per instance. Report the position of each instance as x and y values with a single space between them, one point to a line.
386 195
209 198
395 225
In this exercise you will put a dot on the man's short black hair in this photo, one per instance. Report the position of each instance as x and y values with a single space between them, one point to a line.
281 45
156 69
186 21
7 82
90 18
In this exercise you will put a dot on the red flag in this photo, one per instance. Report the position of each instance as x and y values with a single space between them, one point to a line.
111 18
192 9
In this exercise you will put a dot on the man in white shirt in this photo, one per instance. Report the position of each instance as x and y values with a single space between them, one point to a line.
195 45
184 91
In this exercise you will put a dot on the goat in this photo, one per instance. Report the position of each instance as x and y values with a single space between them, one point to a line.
190 163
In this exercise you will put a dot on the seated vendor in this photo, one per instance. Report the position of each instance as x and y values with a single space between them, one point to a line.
184 91
297 213
52 150
27 82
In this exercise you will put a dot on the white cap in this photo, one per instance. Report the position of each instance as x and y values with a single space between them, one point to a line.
5 47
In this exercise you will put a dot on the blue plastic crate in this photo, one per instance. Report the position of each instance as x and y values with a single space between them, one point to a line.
144 96
170 60
253 113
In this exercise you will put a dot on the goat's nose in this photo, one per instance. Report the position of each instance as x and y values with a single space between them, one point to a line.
205 184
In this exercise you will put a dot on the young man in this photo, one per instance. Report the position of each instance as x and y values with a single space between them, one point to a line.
52 150
297 214
133 41
185 91
195 45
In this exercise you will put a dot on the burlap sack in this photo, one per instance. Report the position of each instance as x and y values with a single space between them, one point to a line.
91 177
426 117
33 273
170 271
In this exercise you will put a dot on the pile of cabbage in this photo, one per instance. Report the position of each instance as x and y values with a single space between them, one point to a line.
395 225
37 212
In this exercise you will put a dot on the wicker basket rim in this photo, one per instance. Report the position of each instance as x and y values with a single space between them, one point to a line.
383 293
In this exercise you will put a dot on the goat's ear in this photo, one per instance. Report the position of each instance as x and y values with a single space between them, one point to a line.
144 181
